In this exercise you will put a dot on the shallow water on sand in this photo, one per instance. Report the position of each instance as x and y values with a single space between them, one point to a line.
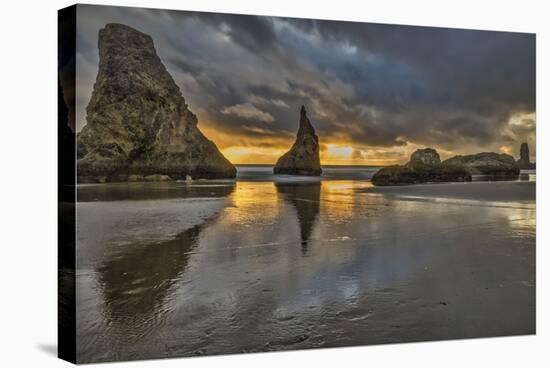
179 269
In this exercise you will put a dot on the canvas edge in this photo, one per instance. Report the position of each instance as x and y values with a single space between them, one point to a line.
66 189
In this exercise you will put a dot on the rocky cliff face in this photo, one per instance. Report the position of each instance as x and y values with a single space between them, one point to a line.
524 161
138 123
487 163
303 156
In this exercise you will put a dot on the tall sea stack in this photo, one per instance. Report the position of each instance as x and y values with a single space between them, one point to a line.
138 123
303 156
524 161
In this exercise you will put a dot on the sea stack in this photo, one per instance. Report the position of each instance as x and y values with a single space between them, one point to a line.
524 160
495 165
138 124
424 156
424 167
303 156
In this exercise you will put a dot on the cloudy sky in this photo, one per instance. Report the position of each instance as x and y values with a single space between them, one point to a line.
373 92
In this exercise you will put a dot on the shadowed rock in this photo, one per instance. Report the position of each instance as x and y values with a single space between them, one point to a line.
524 160
137 120
401 175
425 156
303 156
423 167
487 163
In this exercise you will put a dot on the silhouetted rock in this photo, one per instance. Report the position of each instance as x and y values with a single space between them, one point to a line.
303 157
401 175
524 160
137 120
487 163
424 167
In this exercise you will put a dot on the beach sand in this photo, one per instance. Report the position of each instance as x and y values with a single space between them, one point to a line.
499 191
264 265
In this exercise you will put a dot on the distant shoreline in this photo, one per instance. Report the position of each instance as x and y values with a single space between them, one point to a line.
327 166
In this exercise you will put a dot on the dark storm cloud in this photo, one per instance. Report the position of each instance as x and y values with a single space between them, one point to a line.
471 81
370 84
253 33
470 61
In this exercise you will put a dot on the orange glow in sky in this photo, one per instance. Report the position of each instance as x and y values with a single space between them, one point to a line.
241 149
266 147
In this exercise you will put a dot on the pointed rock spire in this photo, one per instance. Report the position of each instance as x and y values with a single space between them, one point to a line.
303 156
138 123
305 124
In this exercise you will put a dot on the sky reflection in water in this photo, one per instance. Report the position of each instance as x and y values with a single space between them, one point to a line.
256 266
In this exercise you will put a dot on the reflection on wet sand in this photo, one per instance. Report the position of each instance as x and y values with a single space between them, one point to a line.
135 282
154 190
275 266
135 287
136 275
305 199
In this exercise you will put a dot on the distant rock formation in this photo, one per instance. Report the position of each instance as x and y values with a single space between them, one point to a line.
498 166
425 156
138 123
524 160
423 167
303 157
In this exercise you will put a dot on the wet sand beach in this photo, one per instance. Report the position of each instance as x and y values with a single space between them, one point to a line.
262 263
508 191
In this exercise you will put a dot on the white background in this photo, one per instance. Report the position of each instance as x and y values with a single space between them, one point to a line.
28 139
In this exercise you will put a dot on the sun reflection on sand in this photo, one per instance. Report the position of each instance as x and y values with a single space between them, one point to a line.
253 203
523 221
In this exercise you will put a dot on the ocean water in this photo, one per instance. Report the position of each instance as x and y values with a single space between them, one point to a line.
267 263
265 173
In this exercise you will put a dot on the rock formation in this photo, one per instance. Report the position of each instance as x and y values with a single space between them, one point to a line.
524 160
423 167
137 120
425 156
487 163
303 157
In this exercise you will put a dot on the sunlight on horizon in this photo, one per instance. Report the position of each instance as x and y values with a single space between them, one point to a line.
265 149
